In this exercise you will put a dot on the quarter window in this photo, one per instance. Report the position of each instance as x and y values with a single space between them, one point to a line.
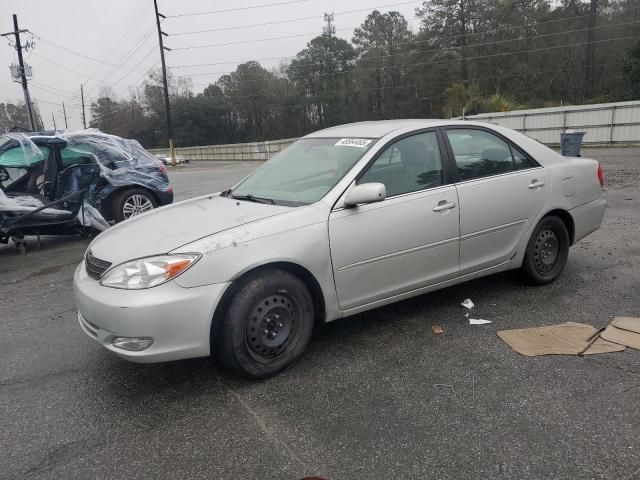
478 153
408 165
521 161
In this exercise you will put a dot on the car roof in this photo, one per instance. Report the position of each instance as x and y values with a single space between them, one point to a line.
380 128
371 129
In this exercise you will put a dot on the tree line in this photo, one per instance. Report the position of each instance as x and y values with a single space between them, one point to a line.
466 57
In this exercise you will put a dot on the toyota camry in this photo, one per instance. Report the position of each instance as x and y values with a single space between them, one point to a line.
344 220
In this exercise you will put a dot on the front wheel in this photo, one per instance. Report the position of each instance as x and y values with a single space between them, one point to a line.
547 252
266 326
132 202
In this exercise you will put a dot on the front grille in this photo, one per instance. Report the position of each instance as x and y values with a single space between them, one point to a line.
95 267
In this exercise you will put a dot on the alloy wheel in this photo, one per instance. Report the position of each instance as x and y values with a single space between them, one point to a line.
135 205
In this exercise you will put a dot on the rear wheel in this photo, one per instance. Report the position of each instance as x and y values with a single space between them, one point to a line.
132 202
547 252
266 326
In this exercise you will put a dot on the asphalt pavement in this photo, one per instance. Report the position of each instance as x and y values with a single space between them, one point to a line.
377 396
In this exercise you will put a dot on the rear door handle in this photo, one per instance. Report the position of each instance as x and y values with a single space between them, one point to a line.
444 205
536 184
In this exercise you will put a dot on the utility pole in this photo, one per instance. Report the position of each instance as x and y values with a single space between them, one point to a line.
84 118
167 106
53 117
64 111
590 64
27 98
329 29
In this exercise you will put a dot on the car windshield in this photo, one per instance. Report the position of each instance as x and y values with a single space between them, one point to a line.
305 171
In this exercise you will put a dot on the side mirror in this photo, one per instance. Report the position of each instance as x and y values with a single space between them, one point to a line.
365 193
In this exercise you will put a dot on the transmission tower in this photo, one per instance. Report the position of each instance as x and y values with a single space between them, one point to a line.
329 29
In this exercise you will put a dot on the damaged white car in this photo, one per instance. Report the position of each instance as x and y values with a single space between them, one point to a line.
344 220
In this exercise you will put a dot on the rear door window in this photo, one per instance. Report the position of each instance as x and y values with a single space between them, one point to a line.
478 153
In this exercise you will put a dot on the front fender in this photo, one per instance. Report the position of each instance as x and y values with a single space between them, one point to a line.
228 255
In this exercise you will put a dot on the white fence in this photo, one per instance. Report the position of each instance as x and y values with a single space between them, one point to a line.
604 123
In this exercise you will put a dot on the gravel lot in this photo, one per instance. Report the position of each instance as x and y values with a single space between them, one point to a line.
377 396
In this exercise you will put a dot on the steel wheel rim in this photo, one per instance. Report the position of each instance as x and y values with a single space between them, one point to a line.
272 328
546 251
135 205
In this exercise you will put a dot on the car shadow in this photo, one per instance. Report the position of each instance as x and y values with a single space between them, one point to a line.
47 243
426 306
183 378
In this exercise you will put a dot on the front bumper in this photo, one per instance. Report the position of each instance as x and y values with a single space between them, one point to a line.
178 319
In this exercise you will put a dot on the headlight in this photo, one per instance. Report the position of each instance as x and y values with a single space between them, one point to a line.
148 272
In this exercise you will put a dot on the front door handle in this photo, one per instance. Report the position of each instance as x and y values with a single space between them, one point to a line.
444 205
536 184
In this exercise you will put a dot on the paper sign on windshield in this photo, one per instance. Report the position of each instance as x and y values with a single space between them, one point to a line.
353 142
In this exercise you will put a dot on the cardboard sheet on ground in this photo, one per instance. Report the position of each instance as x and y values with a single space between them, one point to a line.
624 331
565 339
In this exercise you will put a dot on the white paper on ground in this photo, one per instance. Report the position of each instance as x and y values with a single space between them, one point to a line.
478 321
467 303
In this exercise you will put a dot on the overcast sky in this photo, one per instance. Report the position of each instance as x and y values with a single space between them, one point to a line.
121 33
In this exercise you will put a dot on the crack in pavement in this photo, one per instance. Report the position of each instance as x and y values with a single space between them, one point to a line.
265 428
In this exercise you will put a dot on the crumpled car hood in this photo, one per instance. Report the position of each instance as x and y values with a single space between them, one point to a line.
167 228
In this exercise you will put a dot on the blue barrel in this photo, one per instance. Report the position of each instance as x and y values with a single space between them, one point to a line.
570 143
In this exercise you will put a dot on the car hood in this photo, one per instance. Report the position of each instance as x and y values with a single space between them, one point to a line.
167 228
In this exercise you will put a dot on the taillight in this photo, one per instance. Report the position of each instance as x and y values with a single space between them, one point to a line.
600 176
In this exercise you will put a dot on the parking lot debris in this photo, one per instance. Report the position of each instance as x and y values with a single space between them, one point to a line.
437 329
623 331
478 321
568 338
467 303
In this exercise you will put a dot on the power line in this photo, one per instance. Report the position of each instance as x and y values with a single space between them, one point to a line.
54 90
126 59
211 12
47 102
257 40
412 42
153 49
57 64
120 42
61 47
277 22
296 77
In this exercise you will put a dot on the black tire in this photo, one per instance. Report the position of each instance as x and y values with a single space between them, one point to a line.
547 252
266 326
124 198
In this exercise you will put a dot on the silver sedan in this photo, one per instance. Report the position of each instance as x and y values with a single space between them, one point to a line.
344 220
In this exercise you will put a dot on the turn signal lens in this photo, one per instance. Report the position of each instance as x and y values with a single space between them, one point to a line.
148 272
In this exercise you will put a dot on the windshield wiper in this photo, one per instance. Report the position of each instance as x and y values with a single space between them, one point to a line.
252 198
